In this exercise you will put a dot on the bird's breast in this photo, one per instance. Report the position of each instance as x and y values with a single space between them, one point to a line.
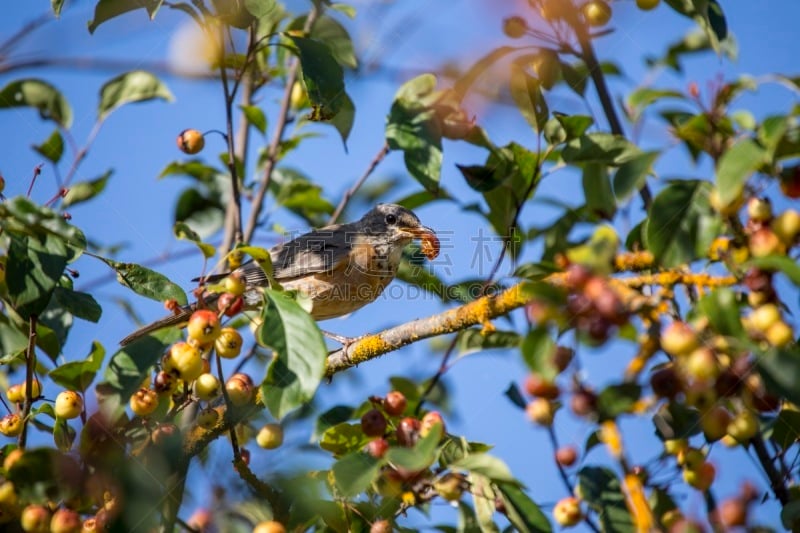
353 283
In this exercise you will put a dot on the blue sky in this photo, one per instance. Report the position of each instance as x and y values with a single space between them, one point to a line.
138 141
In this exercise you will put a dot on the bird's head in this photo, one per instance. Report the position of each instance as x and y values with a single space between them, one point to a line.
397 223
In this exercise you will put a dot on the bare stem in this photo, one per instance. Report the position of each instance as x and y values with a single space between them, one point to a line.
30 365
565 479
776 480
236 204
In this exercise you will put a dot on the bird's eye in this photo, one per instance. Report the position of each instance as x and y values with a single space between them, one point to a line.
391 219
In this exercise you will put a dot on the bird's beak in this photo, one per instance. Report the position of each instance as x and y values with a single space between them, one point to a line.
429 240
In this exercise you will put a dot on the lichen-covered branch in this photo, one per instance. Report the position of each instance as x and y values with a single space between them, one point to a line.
480 311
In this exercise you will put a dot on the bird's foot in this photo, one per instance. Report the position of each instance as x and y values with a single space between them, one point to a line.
346 342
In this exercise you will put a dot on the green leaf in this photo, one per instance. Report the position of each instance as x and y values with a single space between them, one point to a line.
780 369
473 340
522 512
300 354
786 430
632 175
327 30
780 263
486 465
343 438
146 282
482 178
466 81
53 148
86 190
255 117
354 473
21 216
682 224
80 304
204 214
615 400
194 168
537 349
643 97
129 366
13 341
63 435
604 148
602 490
676 421
301 196
597 191
527 93
412 127
513 393
33 269
323 77
78 375
41 474
722 310
260 8
421 456
40 95
467 520
344 119
330 418
56 5
108 9
128 88
184 232
735 166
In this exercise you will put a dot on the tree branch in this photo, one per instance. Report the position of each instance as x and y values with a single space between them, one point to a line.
479 311
30 366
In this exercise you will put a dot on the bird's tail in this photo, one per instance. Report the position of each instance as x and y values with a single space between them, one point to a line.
176 319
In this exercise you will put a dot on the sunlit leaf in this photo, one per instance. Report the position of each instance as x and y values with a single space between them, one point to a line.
601 489
682 224
78 375
522 511
300 354
343 438
131 87
33 270
184 232
86 190
354 473
255 116
40 95
53 148
146 282
735 166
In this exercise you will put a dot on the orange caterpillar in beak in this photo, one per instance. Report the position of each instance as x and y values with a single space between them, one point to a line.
430 245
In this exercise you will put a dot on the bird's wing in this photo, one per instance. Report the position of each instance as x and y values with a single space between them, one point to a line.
318 251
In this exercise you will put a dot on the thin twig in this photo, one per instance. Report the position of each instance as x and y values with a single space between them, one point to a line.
23 32
599 80
241 141
357 185
237 453
775 478
280 127
565 479
230 95
30 365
